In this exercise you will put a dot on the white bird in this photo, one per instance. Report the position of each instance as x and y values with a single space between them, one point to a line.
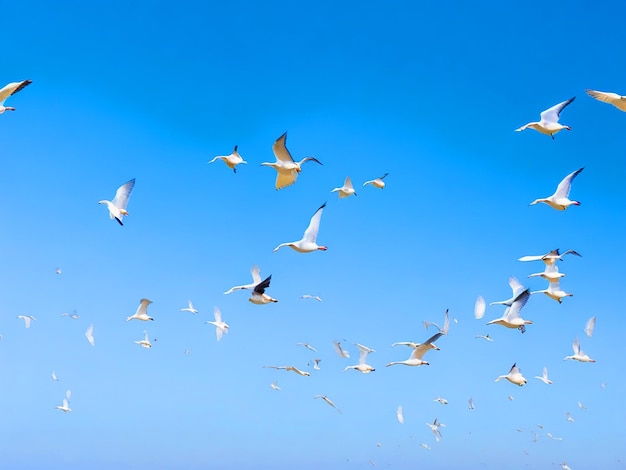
54 376
27 319
569 418
145 342
89 335
285 165
400 414
549 123
607 97
441 400
72 315
581 406
256 280
589 327
221 327
579 354
117 207
231 160
554 291
551 257
308 346
316 364
340 351
362 366
479 308
551 273
517 289
9 90
564 466
554 437
434 427
514 376
314 297
274 385
190 308
290 368
259 296
511 317
142 311
328 400
446 324
415 359
560 199
470 403
57 271
378 182
65 406
486 337
308 242
425 446
510 398
346 190
544 377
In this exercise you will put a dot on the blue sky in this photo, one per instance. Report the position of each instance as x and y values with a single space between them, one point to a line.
430 93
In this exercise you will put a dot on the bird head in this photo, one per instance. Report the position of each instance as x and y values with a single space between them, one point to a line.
322 248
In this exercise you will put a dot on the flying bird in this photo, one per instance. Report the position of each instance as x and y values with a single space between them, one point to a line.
607 97
231 160
142 311
314 297
479 308
290 368
362 366
560 199
434 427
285 165
544 377
117 207
190 308
517 289
400 414
589 327
441 400
72 315
485 337
316 364
11 89
340 351
551 257
554 291
274 385
145 342
308 242
514 376
256 280
446 324
470 403
89 335
569 418
549 123
308 346
579 354
415 359
346 190
65 406
511 317
259 296
54 376
328 400
378 182
221 327
27 319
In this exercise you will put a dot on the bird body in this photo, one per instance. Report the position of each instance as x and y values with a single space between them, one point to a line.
551 273
560 199
231 160
554 291
117 207
549 123
511 317
514 376
346 190
27 319
285 166
142 311
362 366
11 89
308 243
378 182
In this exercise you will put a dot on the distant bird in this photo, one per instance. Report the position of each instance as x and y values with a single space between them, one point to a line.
27 319
274 385
346 190
589 327
434 427
544 377
221 327
470 403
314 297
581 406
65 406
511 317
308 242
425 446
11 89
256 280
72 315
259 296
549 123
190 308
441 400
517 289
378 182
550 274
560 199
510 398
145 342
231 160
362 366
142 311
569 418
551 257
514 376
57 271
54 376
117 207
328 400
400 414
554 291
89 335
308 346
485 337
579 354
340 351
607 97
415 359
290 368
285 166
553 437
316 364
564 466
479 308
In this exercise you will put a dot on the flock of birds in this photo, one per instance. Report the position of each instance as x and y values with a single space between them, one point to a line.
287 171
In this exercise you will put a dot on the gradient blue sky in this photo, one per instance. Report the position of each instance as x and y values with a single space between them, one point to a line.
429 92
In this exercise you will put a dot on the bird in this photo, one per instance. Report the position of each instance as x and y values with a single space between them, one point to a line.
340 351
554 291
446 324
346 190
274 385
285 165
441 400
554 437
514 376
510 398
362 366
231 160
221 327
316 364
434 427
58 271
117 207
470 403
550 273
581 406
479 308
400 414
190 308
308 242
425 446
65 406
72 315
259 296
54 376
415 359
551 257
589 327
27 319
378 182
608 97
328 400
256 280
511 317
544 377
290 368
142 311
89 335
308 346
569 418
314 297
549 123
517 289
11 89
486 337
145 342
564 466
579 354
560 199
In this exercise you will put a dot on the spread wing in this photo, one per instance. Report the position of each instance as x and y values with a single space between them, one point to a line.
479 307
256 274
286 179
310 234
261 286
608 97
563 189
122 194
12 88
552 114
516 286
280 149
513 311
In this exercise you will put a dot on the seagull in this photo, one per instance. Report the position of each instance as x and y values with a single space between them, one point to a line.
259 296
581 406
316 364
559 200
285 165
544 377
514 376
579 354
314 297
142 311
72 315
551 273
54 376
274 385
145 342
607 97
517 289
362 366
569 418
549 123
378 182
256 280
89 335
231 160
27 319
400 414
340 351
470 403
117 207
308 346
346 190
553 437
424 445
290 368
589 327
415 359
510 397
328 400
554 291
64 407
190 308
434 427
551 257
479 308
9 90
308 244
221 327
511 317
486 337
441 400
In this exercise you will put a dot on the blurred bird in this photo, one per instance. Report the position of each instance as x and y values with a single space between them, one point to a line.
486 337
285 166
579 354
145 342
400 414
569 418
231 160
72 315
221 327
54 376
479 308
589 327
259 296
190 308
142 311
470 403
328 400
378 182
340 351
607 97
441 400
11 89
517 289
274 385
256 280
27 319
514 376
434 427
65 406
89 335
117 207
362 366
560 199
446 324
346 190
290 368
314 297
308 242
308 346
544 377
549 123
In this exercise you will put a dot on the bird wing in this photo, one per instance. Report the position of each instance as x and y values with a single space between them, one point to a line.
12 88
446 324
608 97
516 286
340 351
530 258
256 274
218 315
545 373
363 352
143 307
515 308
552 114
280 149
286 179
479 307
514 369
310 234
563 189
383 177
576 346
122 194
572 252
260 287
591 324
399 414
348 183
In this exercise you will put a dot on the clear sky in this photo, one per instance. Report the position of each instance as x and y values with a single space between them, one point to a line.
429 92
